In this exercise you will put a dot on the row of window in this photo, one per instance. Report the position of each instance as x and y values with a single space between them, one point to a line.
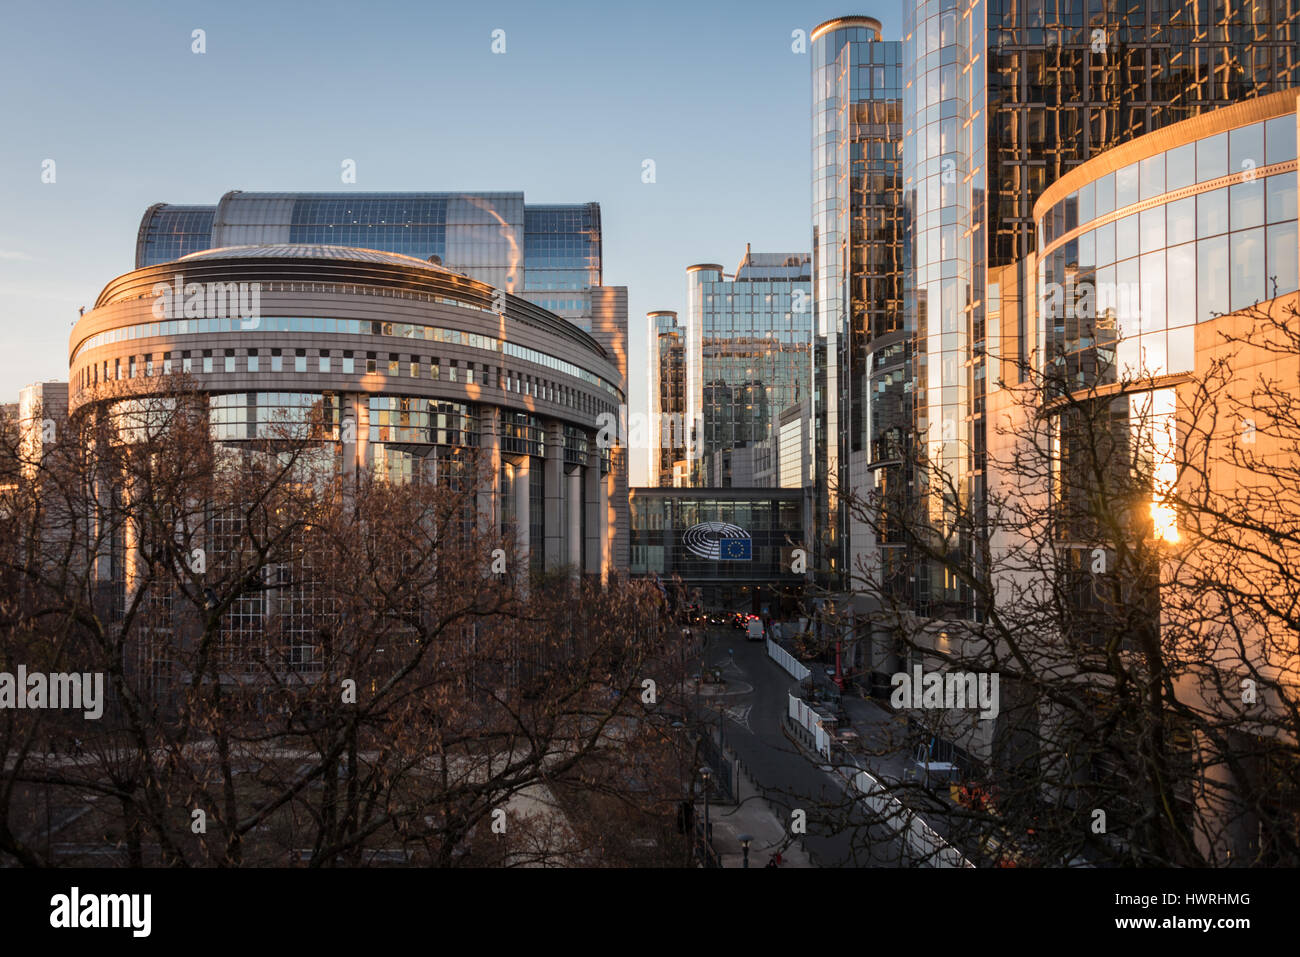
1236 151
322 361
399 330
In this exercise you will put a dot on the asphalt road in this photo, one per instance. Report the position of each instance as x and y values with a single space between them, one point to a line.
838 832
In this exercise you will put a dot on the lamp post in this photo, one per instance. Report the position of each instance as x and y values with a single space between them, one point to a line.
745 840
706 772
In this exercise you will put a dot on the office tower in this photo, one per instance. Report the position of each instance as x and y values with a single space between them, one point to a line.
668 425
862 347
747 355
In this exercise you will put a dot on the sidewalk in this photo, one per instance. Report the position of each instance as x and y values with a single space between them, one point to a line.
753 816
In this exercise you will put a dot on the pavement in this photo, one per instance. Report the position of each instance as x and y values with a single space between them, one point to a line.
752 815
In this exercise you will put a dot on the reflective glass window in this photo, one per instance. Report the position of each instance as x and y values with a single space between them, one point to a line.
1246 148
1106 244
1152 229
1279 136
1126 186
1246 204
1212 213
1106 194
1153 176
1212 157
1211 277
1180 301
1126 238
1180 167
1282 261
1281 197
1247 268
1180 218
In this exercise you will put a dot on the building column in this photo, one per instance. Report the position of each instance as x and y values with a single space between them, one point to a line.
594 501
489 468
553 489
522 518
573 512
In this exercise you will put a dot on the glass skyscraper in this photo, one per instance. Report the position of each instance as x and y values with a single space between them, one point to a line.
747 352
862 343
670 426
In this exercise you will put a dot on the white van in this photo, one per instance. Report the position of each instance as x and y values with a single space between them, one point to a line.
754 630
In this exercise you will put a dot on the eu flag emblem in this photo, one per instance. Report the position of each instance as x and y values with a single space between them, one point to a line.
736 549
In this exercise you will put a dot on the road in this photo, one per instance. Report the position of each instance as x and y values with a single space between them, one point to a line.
838 833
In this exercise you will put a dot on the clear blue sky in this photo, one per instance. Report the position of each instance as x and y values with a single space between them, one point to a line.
412 92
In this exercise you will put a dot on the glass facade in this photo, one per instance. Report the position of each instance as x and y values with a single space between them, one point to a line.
754 332
667 395
660 519
859 326
548 254
1068 80
169 232
1121 292
944 169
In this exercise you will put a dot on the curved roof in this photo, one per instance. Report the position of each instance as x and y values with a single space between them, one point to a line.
313 251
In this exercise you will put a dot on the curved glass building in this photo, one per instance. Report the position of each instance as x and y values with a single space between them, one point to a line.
392 363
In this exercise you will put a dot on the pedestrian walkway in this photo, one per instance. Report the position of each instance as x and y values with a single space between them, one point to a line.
755 817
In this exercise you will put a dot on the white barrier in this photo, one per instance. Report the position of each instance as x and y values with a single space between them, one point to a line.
794 668
921 839
808 719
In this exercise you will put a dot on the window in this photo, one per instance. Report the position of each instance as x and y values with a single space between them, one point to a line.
348 368
1181 300
1211 277
186 363
207 360
324 361
1246 148
1180 221
300 360
1246 204
1282 263
1153 176
277 361
1279 134
1212 158
1247 268
1126 238
252 360
1281 197
393 363
370 365
1180 167
451 372
415 368
230 360
1212 213
433 369
1126 186
1153 229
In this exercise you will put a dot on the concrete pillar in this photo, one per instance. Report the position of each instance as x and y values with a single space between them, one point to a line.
522 518
489 465
593 495
573 512
553 489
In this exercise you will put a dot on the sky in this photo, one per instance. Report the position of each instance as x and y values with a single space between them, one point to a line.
114 94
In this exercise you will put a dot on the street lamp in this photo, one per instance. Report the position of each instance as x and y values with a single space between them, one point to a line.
706 772
745 840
